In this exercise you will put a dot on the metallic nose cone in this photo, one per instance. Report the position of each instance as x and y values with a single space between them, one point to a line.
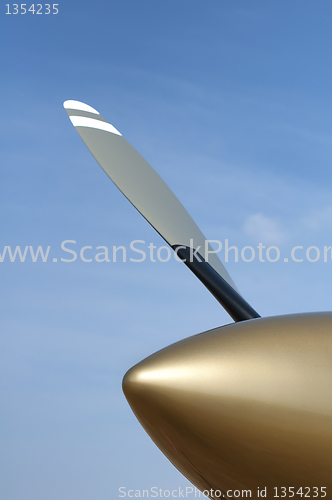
243 407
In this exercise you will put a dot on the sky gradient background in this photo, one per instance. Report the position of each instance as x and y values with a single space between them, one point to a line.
230 101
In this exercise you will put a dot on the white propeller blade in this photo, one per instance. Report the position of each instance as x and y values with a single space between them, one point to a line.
139 182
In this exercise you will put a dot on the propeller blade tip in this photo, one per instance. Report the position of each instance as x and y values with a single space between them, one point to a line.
79 106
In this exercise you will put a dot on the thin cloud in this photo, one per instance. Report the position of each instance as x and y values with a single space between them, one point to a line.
265 229
319 219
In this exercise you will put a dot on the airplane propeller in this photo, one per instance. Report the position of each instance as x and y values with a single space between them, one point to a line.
151 196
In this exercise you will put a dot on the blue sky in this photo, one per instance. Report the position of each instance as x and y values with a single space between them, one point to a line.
230 101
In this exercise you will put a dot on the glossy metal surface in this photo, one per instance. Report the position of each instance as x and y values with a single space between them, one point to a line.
243 406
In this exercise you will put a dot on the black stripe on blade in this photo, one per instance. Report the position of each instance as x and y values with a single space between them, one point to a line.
232 302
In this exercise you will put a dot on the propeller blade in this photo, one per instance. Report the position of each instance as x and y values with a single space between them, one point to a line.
145 189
